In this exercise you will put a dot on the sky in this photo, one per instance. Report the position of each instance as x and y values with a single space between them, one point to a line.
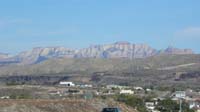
25 24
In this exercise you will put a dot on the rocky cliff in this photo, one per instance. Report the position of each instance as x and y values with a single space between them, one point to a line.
115 50
40 54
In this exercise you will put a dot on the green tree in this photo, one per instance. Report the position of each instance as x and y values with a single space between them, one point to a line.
133 101
168 105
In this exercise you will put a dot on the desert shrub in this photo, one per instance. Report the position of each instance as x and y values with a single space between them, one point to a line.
168 105
134 101
20 96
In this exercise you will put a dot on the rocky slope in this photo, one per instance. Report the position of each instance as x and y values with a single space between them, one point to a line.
91 65
39 54
115 50
154 70
59 106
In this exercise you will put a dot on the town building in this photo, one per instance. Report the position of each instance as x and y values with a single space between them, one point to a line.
126 92
68 84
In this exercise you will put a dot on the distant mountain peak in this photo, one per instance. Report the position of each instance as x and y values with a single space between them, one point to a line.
122 42
173 50
121 49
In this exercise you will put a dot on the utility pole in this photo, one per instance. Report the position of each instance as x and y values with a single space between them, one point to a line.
180 105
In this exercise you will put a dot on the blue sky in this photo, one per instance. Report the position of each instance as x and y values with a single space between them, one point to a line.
25 24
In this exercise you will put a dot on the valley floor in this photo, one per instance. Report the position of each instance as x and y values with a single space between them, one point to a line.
64 105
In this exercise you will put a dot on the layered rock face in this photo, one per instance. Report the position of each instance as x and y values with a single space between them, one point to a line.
172 50
115 50
40 54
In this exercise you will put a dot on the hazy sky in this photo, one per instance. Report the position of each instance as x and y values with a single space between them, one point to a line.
25 24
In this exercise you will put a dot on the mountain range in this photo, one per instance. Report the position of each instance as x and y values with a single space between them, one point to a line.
118 63
107 51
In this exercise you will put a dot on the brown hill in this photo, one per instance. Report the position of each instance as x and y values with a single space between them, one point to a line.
59 105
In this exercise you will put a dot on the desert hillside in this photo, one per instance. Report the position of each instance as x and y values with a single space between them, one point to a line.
67 105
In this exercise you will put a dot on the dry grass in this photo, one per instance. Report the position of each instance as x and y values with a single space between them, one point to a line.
66 105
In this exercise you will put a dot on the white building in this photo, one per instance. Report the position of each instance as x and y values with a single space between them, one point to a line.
192 104
150 105
148 90
5 97
86 86
69 84
126 92
116 87
138 88
54 92
180 94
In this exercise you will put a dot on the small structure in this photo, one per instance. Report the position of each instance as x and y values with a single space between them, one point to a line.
5 97
89 85
54 92
138 88
150 106
126 92
148 90
192 104
116 87
180 94
69 84
176 96
86 86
